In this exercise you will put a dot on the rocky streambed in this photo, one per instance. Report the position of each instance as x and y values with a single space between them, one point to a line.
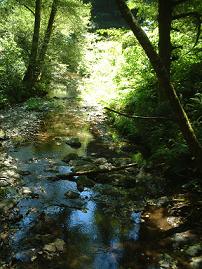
117 219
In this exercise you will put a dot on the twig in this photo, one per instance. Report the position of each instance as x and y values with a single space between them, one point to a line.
28 8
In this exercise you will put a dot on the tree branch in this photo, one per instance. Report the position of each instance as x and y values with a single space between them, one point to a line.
137 117
28 8
176 3
188 14
195 15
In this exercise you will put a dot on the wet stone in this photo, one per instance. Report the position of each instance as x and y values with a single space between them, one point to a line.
196 263
26 256
72 195
105 166
3 182
85 167
24 173
54 249
26 190
100 161
84 181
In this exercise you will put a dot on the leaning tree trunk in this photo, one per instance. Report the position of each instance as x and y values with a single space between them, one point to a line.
47 37
30 74
163 78
164 44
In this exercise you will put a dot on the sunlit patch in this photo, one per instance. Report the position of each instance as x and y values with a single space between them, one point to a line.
100 86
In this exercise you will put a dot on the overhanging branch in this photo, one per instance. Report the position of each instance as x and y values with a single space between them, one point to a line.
188 14
194 15
137 117
28 8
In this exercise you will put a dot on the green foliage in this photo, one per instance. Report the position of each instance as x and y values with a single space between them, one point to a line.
138 158
66 46
34 104
11 69
138 90
2 193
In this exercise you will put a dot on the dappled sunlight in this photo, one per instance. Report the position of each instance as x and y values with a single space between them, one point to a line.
103 60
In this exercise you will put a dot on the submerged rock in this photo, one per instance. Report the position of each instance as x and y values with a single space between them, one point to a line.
24 172
54 249
26 256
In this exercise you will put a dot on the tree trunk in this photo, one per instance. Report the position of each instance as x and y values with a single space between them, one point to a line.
164 81
164 45
30 74
47 37
164 25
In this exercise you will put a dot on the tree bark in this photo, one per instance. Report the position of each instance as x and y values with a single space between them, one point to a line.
164 81
30 74
47 37
164 44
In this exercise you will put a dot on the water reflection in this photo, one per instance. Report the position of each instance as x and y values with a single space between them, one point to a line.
135 231
95 237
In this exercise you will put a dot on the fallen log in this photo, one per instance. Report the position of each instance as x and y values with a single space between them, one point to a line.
93 172
137 117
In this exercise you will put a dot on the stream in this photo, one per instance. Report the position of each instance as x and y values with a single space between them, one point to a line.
57 226
106 221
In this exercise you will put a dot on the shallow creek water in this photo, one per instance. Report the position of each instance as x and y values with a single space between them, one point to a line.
94 236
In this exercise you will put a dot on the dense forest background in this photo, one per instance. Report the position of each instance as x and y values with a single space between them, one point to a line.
39 39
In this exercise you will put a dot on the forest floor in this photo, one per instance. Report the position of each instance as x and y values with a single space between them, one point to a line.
131 218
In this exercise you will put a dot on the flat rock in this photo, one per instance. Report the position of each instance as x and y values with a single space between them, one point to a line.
56 246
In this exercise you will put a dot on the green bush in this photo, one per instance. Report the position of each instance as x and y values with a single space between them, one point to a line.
138 95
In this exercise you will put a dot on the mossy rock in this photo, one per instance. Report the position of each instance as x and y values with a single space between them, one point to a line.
69 157
2 135
73 142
